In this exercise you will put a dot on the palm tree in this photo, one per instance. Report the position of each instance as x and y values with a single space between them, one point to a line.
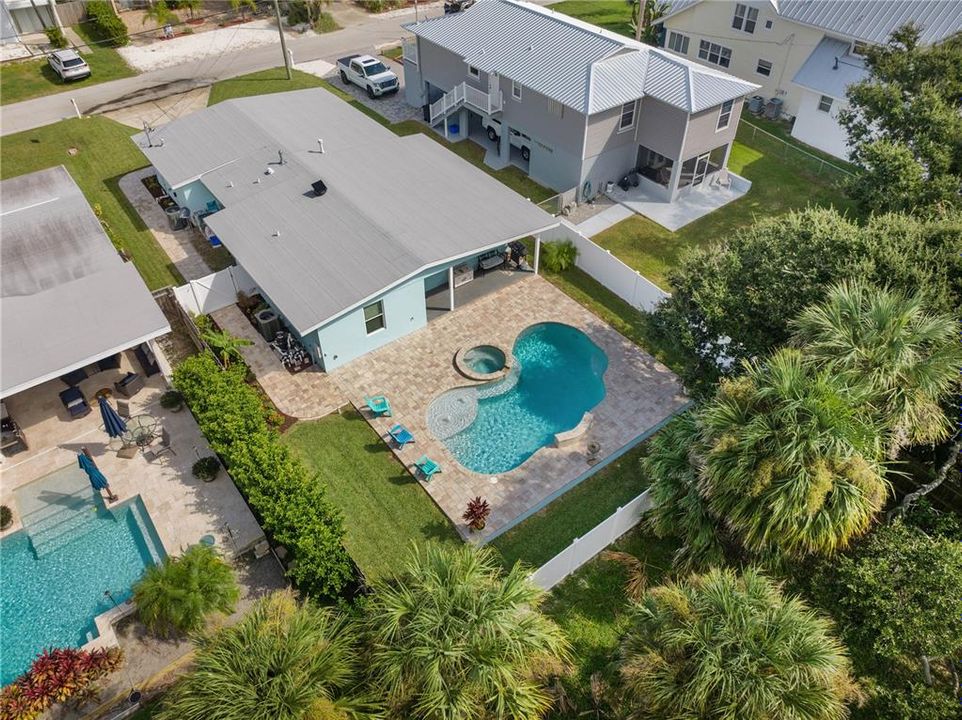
159 11
225 346
910 359
455 638
182 591
282 661
791 463
732 647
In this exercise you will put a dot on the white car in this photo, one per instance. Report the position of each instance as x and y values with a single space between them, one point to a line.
492 126
369 73
69 65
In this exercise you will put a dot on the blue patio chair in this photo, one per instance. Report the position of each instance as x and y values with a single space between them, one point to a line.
75 402
401 435
427 467
378 405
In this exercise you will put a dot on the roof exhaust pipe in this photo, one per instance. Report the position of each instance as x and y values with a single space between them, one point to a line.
280 156
320 145
835 67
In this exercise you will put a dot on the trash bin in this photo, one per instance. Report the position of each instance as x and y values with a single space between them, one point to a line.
174 219
773 110
454 128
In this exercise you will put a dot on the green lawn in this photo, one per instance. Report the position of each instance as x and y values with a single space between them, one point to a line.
546 533
394 53
777 187
274 80
33 78
385 509
613 15
104 154
590 606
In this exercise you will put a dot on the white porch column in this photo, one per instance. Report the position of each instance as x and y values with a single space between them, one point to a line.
451 288
537 253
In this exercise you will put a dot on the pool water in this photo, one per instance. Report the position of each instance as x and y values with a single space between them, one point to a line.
560 378
52 600
484 359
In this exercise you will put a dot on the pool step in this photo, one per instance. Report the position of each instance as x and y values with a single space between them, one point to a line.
54 530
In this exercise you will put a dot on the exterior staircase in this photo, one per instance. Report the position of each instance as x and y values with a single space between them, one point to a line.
465 95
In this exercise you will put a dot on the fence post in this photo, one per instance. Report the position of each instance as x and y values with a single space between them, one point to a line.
573 563
613 532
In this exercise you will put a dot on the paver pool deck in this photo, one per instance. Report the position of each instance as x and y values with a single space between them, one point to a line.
641 394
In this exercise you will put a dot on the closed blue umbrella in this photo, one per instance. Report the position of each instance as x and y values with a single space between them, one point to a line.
97 479
113 423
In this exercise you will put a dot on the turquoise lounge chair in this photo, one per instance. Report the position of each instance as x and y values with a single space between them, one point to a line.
401 435
427 467
378 405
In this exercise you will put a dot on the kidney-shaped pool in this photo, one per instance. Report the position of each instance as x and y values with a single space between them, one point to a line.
558 376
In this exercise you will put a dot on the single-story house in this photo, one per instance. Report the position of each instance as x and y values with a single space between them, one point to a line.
344 227
573 105
70 306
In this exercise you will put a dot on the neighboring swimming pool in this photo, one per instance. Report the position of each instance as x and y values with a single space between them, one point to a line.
558 376
50 598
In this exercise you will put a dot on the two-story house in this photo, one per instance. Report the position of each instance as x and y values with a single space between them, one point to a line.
575 106
803 53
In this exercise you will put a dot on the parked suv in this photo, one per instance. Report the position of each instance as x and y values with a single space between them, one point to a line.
69 65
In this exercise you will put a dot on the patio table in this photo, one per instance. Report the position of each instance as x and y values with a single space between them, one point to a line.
141 430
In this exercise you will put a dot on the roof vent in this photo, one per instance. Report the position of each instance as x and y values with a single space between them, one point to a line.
276 233
319 188
269 171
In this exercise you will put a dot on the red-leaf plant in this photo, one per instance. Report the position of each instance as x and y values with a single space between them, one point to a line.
477 513
57 675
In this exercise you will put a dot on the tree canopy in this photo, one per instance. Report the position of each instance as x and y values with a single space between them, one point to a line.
736 298
731 646
905 118
454 638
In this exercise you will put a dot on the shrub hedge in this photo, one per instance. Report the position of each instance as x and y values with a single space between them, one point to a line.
105 25
291 503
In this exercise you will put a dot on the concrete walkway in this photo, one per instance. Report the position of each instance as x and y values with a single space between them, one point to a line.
177 244
604 220
307 395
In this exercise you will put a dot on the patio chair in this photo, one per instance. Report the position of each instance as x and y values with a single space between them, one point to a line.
75 402
163 447
378 405
401 435
427 467
72 379
723 179
123 409
129 385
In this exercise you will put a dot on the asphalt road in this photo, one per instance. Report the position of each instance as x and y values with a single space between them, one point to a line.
362 37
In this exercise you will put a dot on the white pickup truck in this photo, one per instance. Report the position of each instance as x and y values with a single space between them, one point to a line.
369 73
492 126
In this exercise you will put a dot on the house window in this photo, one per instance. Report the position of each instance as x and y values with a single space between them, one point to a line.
715 54
627 117
374 317
745 18
764 68
724 115
860 48
473 71
678 42
768 24
824 103
515 90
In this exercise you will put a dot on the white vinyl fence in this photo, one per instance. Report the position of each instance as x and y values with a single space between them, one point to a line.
582 549
625 282
215 291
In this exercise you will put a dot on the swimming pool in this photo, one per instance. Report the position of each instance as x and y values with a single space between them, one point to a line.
50 598
557 376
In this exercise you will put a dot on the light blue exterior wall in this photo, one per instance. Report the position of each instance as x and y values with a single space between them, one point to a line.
346 338
194 195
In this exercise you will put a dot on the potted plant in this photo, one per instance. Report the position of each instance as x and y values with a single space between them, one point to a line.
206 468
6 517
476 515
172 400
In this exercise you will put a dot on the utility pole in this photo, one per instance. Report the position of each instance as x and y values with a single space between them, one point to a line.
280 29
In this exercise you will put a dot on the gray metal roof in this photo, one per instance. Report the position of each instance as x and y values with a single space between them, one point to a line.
871 21
395 206
821 73
66 297
573 62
